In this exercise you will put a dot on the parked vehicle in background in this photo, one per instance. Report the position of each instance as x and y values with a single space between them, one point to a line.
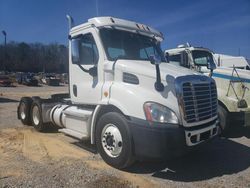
233 84
124 97
26 79
228 61
5 81
51 80
65 78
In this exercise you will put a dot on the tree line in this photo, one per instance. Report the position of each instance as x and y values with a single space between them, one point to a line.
33 57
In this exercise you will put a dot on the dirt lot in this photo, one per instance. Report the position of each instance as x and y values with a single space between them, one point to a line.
32 159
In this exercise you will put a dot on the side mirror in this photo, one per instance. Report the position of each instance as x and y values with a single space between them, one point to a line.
75 52
155 60
93 71
167 56
211 66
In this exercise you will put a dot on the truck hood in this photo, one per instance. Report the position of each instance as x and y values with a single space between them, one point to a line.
145 68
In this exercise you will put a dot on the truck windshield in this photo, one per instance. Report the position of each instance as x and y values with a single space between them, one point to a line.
202 58
121 44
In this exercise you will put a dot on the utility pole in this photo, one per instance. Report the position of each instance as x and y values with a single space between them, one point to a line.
5 49
97 8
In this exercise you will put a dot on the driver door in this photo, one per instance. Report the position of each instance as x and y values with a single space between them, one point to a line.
85 87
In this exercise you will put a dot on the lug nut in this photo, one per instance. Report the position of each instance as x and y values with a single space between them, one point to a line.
120 144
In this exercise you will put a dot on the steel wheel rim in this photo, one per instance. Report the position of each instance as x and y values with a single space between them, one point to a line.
22 110
111 140
36 115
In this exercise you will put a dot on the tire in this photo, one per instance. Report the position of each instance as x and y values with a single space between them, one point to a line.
36 98
36 115
23 110
223 118
114 140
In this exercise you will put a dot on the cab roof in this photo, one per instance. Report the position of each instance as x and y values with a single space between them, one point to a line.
190 48
118 23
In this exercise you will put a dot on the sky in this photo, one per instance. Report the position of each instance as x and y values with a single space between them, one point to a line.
220 25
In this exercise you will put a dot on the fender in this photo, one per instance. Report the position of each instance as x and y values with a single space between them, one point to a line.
93 123
96 115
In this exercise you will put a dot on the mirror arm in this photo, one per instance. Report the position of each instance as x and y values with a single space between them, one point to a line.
83 69
158 84
211 72
92 71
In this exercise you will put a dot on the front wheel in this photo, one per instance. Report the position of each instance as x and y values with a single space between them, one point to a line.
223 118
114 140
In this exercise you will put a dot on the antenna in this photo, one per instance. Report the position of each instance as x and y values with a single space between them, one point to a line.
70 20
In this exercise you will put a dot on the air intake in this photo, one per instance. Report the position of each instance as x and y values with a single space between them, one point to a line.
130 78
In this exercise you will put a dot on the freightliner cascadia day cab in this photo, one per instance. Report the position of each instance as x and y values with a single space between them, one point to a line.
232 84
125 98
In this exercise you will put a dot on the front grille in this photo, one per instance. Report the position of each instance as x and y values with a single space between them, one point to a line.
199 101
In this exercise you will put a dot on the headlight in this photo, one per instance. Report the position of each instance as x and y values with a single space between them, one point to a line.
158 113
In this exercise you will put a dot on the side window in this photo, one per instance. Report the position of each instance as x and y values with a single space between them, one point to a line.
84 50
145 52
184 61
175 59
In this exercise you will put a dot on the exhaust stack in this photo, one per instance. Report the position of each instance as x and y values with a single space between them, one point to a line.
70 20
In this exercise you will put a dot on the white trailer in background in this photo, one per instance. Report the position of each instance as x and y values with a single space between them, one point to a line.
228 61
232 84
125 98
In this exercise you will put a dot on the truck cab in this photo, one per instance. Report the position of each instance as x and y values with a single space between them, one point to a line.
125 98
232 84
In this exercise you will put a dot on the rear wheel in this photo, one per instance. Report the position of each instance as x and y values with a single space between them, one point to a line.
114 140
23 111
36 115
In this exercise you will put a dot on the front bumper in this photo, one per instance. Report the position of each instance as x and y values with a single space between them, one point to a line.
161 141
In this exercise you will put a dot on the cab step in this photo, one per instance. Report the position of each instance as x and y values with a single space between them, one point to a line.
74 134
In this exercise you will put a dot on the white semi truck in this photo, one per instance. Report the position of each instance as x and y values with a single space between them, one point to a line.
124 97
232 84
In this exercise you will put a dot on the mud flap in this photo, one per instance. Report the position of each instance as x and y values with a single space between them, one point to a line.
247 119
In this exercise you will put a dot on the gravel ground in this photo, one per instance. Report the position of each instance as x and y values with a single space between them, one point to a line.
32 159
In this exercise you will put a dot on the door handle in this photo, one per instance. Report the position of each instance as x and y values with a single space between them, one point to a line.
75 90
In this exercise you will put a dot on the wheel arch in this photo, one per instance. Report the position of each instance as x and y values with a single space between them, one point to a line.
98 112
222 105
